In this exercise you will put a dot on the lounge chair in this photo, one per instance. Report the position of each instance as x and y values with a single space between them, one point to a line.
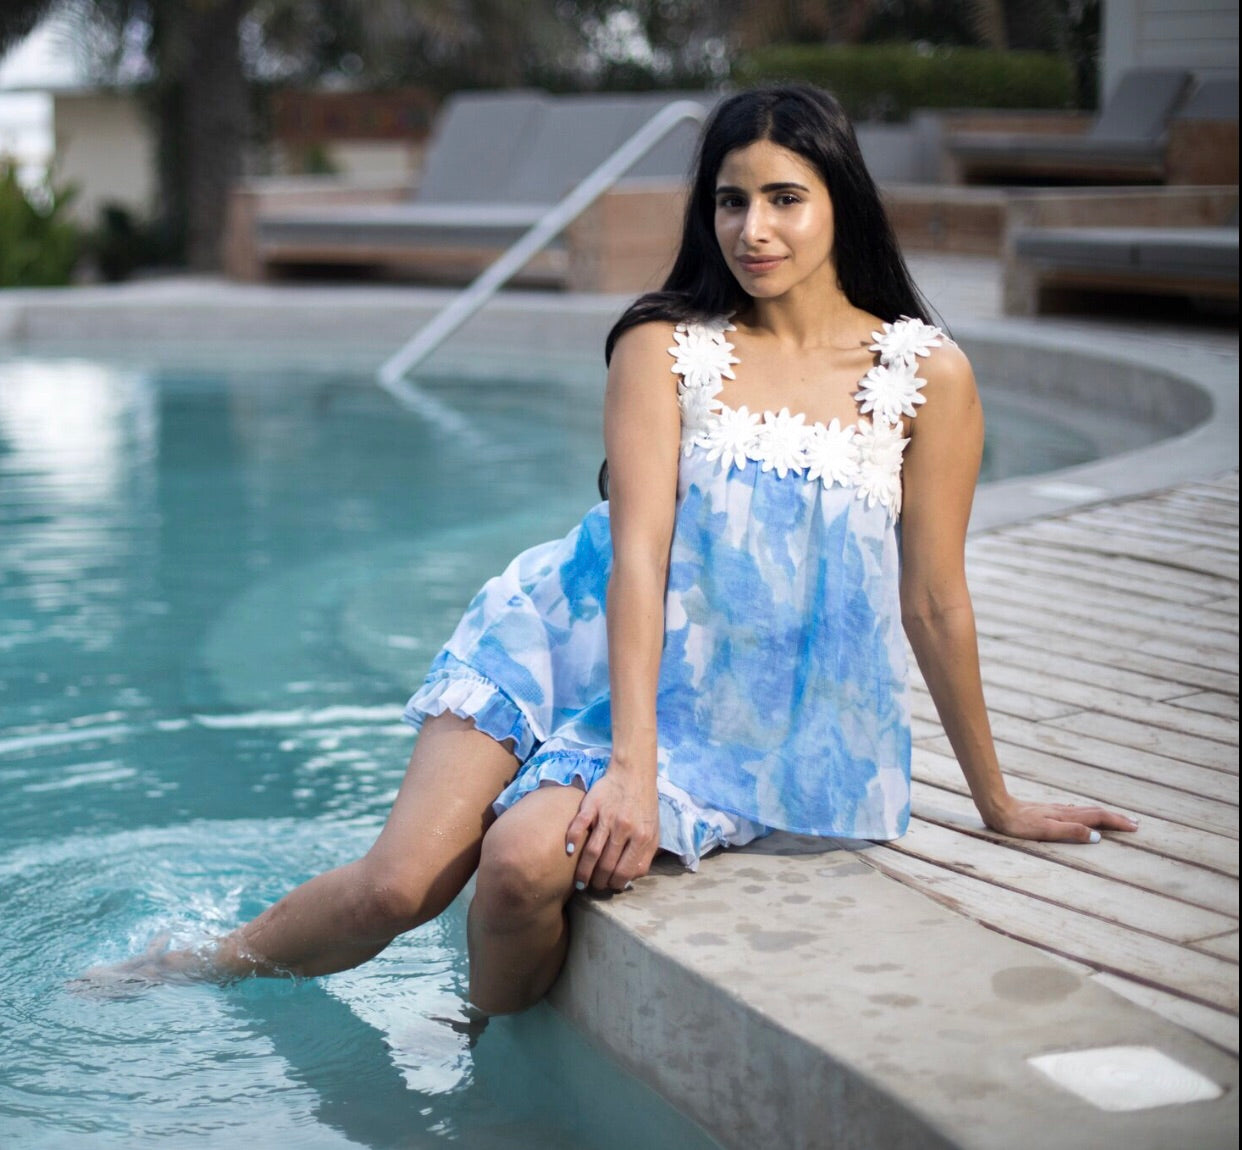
496 163
1187 255
1125 144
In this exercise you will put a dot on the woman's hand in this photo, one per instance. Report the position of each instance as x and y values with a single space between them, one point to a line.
1055 822
616 831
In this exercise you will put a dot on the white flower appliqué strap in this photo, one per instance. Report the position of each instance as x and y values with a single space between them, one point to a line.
865 455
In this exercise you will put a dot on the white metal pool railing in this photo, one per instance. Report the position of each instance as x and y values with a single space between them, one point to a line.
392 372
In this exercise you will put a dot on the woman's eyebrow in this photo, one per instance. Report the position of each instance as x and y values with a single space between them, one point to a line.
781 186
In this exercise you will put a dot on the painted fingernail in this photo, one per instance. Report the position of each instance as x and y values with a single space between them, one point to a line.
1095 837
579 885
569 848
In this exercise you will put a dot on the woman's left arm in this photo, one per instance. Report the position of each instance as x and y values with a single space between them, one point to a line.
940 470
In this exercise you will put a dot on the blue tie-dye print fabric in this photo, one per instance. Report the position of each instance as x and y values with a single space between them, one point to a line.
782 699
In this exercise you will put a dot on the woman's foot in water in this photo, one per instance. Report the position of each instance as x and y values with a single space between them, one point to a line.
157 965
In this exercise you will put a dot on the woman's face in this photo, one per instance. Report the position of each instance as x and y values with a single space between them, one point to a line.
774 220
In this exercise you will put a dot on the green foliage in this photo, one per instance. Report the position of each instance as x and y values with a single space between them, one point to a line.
38 245
889 81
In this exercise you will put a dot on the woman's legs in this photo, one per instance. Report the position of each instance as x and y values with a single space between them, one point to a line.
427 850
517 925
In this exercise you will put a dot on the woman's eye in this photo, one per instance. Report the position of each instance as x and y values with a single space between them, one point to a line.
729 202
785 199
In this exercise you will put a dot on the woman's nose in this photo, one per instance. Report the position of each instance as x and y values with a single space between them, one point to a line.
754 227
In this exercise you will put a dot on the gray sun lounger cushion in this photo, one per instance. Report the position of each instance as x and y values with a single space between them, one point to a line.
1129 132
1199 253
1212 100
479 140
374 226
1141 104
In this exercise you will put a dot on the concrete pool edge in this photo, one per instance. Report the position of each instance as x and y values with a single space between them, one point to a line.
866 1016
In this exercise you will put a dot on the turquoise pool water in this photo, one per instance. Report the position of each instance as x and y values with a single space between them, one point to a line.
217 588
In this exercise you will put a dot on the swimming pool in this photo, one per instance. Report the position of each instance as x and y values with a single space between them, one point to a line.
217 587
216 590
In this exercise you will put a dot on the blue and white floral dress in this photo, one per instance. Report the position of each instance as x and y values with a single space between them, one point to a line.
782 700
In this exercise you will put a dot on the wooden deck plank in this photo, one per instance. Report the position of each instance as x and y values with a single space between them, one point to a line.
1217 1026
1193 749
1146 522
1020 564
1198 640
1002 614
1117 601
1170 556
1201 510
1104 945
1139 685
1153 546
1209 559
1223 946
1113 856
1209 703
1134 763
1161 830
1021 704
1222 728
1092 894
1194 813
1096 653
1190 582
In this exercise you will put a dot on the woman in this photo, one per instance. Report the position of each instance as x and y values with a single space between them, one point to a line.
749 670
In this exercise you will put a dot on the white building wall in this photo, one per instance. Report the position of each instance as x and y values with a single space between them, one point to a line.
105 146
1199 35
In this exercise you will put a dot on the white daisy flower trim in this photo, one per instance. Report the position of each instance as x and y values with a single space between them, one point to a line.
701 354
780 444
890 390
866 455
697 405
880 446
731 436
906 341
832 454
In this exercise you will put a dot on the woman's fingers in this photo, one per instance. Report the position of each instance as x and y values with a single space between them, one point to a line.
1063 823
579 827
611 858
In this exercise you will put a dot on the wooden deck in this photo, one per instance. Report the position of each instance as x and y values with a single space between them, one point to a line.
1109 640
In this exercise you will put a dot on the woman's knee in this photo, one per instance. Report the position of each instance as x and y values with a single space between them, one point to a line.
523 871
391 899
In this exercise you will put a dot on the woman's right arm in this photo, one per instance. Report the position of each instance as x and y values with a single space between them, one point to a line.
616 831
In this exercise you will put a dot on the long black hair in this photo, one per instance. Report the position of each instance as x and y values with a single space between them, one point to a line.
811 123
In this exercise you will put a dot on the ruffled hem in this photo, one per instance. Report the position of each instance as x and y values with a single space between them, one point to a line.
468 695
689 829
559 768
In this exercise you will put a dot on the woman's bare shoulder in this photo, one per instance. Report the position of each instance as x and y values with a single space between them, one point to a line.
644 342
947 368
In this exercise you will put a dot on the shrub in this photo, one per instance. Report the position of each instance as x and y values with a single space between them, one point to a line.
889 81
38 245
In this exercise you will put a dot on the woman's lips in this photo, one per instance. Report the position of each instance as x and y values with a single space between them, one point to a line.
759 263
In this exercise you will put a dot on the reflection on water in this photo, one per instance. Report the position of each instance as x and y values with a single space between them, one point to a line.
216 591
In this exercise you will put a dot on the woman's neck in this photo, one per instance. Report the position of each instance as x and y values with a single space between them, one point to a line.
807 317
